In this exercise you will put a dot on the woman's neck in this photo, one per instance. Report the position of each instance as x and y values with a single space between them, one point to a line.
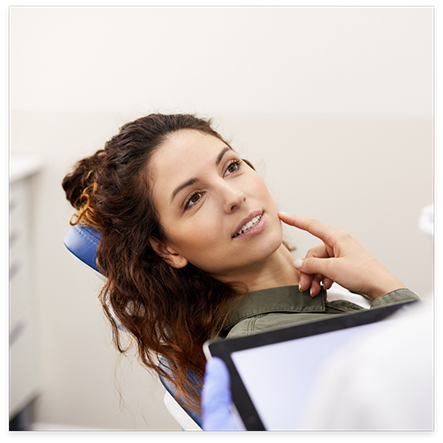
275 271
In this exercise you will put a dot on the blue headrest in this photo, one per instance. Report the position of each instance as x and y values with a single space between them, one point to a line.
83 241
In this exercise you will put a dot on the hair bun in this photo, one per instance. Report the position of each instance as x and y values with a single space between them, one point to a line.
79 184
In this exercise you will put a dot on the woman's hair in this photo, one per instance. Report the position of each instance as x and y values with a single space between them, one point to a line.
168 312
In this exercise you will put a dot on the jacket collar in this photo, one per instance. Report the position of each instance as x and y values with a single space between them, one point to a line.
282 299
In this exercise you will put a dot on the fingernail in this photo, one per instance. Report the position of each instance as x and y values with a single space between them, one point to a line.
310 292
298 263
299 288
281 212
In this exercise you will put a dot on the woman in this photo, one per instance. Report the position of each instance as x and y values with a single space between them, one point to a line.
192 245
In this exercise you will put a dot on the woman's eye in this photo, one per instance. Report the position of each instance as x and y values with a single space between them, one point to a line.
233 167
193 199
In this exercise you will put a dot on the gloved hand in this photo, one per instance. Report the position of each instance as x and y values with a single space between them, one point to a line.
216 398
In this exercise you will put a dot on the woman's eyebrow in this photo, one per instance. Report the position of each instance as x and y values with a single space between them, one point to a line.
193 180
220 156
182 186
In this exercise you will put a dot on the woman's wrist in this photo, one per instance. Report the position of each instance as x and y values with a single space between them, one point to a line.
388 284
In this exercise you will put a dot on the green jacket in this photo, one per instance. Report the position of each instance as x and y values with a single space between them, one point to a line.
286 306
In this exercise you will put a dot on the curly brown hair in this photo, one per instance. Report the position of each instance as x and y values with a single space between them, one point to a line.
169 312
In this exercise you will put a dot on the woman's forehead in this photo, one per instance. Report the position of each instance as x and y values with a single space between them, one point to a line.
183 156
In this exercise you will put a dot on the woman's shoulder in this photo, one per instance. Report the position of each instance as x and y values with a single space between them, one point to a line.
267 321
272 321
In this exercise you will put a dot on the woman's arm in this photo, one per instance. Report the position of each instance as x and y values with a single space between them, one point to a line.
340 259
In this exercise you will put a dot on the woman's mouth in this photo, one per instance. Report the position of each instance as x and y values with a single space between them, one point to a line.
252 227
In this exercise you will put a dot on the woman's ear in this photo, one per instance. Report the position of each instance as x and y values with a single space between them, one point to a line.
168 255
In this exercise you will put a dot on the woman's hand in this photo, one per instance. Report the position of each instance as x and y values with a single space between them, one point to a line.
340 259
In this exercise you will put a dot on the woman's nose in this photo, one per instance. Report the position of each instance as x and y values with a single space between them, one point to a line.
232 197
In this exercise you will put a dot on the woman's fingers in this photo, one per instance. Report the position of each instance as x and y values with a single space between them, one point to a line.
314 281
343 260
327 283
316 284
305 281
314 227
313 265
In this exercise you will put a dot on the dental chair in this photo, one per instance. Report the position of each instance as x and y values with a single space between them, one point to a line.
82 241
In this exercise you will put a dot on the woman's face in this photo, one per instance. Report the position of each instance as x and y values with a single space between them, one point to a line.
216 211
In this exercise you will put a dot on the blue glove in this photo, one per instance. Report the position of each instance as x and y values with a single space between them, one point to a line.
216 398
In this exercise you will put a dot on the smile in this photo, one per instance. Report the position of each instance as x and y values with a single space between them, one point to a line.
248 227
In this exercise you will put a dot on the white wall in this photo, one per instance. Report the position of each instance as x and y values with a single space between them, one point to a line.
340 61
333 105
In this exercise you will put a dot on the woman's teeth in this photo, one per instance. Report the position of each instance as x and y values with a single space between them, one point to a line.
248 225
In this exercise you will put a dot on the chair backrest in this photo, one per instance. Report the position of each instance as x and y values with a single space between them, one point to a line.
82 241
164 364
